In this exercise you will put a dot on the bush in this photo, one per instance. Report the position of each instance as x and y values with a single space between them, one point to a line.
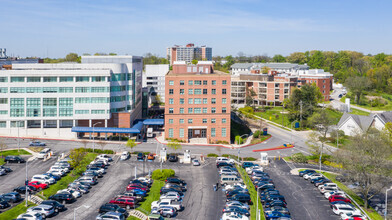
212 155
222 142
249 159
98 151
230 156
299 158
256 134
239 140
162 175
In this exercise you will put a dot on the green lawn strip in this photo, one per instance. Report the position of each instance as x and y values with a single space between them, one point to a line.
64 181
14 152
253 194
359 112
275 115
2 161
153 195
370 212
15 211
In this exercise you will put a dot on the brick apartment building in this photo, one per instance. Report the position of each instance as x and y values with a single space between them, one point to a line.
197 103
188 53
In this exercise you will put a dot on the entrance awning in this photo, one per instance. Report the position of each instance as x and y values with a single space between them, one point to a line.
154 122
134 130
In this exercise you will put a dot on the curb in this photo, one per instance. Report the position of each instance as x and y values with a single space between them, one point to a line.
274 148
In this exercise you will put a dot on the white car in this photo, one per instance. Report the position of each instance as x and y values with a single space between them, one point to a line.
196 162
171 195
351 216
44 210
249 170
2 172
228 187
328 185
314 176
222 159
43 179
145 179
233 216
74 193
104 157
307 176
236 203
338 193
30 216
327 189
57 172
63 169
340 209
124 155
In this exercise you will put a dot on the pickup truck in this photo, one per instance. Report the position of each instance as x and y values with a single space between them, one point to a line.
167 202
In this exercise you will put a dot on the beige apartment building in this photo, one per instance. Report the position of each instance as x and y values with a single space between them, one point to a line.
197 103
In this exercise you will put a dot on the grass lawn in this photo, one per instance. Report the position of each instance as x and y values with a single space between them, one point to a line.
370 212
12 152
386 107
15 211
253 195
262 138
275 114
359 112
153 195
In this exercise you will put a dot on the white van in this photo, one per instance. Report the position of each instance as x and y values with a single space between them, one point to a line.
229 180
43 153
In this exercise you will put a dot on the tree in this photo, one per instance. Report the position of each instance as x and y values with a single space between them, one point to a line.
194 62
316 60
72 57
322 122
366 161
77 156
158 99
131 144
265 70
357 86
278 58
112 54
3 146
174 145
309 95
297 57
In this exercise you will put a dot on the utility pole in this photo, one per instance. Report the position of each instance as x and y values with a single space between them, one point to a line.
26 185
300 116
282 113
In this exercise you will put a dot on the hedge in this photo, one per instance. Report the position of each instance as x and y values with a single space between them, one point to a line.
212 155
98 151
162 175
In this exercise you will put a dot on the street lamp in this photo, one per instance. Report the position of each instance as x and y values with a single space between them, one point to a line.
239 144
93 134
26 185
257 206
386 203
85 206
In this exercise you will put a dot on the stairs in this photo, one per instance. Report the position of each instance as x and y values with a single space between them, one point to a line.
198 141
138 214
34 199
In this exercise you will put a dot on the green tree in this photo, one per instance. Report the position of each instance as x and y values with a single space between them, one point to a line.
72 57
77 156
158 99
194 62
174 145
316 60
278 58
131 144
265 70
112 54
297 57
357 86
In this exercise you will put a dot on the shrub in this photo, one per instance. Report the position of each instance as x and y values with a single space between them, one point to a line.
239 140
212 155
256 134
98 151
222 142
249 159
299 158
229 156
162 175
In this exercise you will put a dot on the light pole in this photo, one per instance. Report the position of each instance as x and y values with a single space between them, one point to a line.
257 206
26 185
18 136
93 135
85 206
386 203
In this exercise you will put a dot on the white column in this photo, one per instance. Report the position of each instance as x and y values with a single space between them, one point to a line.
42 127
58 127
25 127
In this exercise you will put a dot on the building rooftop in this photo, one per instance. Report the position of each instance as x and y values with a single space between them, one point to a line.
215 73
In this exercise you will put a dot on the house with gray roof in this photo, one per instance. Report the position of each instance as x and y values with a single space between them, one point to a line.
353 124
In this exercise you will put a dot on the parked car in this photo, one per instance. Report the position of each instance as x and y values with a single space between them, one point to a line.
108 207
111 215
275 203
37 143
125 155
237 203
11 197
43 153
14 159
171 195
4 204
165 211
281 209
63 198
303 172
56 205
124 202
30 216
244 198
335 198
339 209
339 193
196 162
6 169
22 189
150 157
236 209
44 210
234 215
175 180
247 164
105 157
140 157
173 158
167 202
37 185
165 190
277 215
223 164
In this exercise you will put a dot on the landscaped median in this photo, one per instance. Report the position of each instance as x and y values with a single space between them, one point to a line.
253 194
5 153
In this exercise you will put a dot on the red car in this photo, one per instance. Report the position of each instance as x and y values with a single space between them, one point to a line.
335 198
124 202
38 185
136 186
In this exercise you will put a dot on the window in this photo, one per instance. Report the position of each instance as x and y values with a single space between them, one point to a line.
66 90
213 101
171 83
3 89
205 101
223 91
99 89
171 110
204 121
223 110
213 82
171 121
213 91
82 79
100 100
66 79
17 102
17 90
3 124
181 121
3 79
96 111
190 101
213 120
190 121
223 100
3 100
213 134
171 132
98 79
17 112
49 102
182 101
33 102
33 79
171 91
182 91
223 120
190 110
190 91
82 100
50 79
50 89
205 92
223 132
224 82
197 110
181 132
190 82
17 79
181 110
205 82
204 110
197 101
171 101
51 112
182 82
198 82
197 91
213 110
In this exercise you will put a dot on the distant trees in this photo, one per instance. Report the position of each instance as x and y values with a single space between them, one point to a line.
72 57
297 57
149 58
357 85
278 58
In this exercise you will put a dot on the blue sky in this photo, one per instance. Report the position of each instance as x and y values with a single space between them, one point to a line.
54 28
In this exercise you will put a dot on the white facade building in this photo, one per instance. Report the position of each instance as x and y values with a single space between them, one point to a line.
49 99
247 68
356 124
154 79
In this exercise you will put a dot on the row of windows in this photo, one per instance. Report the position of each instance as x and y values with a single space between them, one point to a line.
197 82
49 112
56 79
197 110
197 91
57 89
204 121
198 101
181 132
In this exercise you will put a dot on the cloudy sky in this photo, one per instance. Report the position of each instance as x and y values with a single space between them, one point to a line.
53 28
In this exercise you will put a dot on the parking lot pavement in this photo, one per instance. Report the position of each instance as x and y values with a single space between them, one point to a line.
18 176
303 199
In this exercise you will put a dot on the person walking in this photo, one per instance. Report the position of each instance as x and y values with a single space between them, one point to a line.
214 186
217 186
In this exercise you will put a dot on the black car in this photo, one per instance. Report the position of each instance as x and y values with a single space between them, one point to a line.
7 169
223 164
22 189
176 180
62 198
173 158
234 192
236 209
141 183
241 197
176 186
303 172
165 190
140 157
14 159
108 207
4 204
275 203
11 197
58 207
